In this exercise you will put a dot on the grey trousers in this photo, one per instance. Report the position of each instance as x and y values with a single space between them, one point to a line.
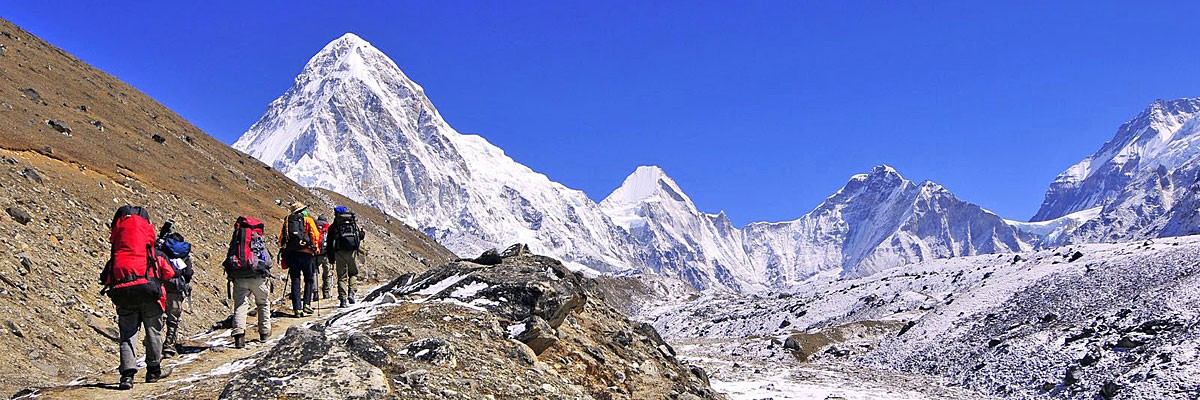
347 273
173 318
129 320
243 288
326 276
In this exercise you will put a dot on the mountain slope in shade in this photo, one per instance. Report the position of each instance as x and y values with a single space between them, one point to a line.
354 123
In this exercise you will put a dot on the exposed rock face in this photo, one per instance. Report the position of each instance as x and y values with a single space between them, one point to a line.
526 327
306 364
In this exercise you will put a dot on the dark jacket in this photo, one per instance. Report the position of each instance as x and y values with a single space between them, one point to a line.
335 231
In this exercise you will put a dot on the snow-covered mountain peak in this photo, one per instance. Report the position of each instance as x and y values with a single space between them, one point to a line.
647 183
354 123
1165 134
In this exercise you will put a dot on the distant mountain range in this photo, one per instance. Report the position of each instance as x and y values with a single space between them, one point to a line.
355 124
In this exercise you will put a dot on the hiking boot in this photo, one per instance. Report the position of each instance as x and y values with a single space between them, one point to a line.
325 294
239 341
342 304
126 380
352 298
299 313
308 309
153 374
263 336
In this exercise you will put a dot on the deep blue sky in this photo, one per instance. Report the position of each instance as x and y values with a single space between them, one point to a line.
760 108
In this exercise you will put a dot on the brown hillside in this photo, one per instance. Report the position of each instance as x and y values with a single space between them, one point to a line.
75 143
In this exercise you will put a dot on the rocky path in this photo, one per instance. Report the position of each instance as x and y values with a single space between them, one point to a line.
208 363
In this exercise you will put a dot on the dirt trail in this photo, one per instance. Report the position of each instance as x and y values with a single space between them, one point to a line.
208 362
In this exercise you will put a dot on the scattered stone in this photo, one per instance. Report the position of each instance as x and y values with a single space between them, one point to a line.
489 257
1084 334
433 350
1109 390
1090 359
98 124
1048 318
837 351
19 214
16 330
32 94
59 126
522 352
1075 256
1073 376
515 250
538 334
367 349
32 174
158 138
1130 341
1155 327
26 265
415 377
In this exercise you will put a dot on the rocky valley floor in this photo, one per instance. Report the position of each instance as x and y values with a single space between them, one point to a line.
1115 320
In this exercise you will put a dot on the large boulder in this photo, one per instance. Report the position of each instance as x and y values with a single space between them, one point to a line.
519 286
308 365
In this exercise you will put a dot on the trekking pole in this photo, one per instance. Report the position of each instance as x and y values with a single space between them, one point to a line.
229 297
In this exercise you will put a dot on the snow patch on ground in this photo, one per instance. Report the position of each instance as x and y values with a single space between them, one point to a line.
469 290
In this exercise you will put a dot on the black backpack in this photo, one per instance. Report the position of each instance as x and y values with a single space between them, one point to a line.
348 236
297 233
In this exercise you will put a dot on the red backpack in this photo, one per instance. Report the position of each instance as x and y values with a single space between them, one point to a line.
247 255
134 272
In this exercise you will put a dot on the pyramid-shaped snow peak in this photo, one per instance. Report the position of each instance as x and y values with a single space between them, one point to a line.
354 123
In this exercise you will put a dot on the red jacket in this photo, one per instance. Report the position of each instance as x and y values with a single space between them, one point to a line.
132 241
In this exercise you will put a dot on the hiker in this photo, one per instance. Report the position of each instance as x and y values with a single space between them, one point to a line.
177 250
322 260
133 278
247 268
343 243
297 243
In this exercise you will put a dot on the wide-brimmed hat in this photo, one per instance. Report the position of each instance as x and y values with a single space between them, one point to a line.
298 207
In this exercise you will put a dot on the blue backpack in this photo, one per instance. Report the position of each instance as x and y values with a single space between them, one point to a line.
175 247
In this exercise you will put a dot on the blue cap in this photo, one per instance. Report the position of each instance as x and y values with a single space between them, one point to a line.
340 209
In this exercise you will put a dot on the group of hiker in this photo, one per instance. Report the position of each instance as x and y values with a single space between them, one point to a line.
148 277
